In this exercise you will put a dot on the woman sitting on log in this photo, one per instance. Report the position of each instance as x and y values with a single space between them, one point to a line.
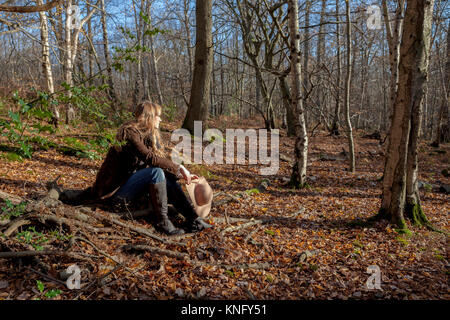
139 166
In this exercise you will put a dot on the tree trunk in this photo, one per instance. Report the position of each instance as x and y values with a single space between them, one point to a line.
70 112
347 90
287 102
337 109
46 64
306 50
153 62
138 81
199 100
400 180
298 177
443 121
111 91
393 32
188 36
419 88
321 90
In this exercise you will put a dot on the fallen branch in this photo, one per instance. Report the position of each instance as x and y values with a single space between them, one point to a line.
60 221
250 235
33 253
231 219
47 277
262 221
139 230
244 225
16 224
224 201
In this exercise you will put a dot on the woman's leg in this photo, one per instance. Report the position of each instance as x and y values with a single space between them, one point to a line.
137 185
151 180
178 199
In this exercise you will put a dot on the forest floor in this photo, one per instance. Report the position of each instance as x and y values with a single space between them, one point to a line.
291 244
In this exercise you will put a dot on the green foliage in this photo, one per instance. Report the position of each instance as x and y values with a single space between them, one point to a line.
130 54
59 236
12 210
358 244
404 231
229 273
252 191
170 111
43 143
50 293
404 242
428 187
37 239
12 156
79 149
93 110
40 286
270 232
17 125
313 267
32 237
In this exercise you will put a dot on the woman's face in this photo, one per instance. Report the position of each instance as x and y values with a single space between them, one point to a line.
158 120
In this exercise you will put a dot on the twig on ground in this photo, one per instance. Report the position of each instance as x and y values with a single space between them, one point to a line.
47 276
139 230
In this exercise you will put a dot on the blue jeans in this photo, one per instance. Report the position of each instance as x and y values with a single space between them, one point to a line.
138 185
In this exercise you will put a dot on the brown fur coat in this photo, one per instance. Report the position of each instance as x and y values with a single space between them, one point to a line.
122 161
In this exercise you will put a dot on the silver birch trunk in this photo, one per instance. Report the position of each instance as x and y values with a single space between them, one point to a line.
298 177
70 112
46 64
351 146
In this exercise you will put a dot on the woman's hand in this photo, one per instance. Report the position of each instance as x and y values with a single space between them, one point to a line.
183 172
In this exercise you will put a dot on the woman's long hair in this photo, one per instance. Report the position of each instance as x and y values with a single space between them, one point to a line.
145 122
